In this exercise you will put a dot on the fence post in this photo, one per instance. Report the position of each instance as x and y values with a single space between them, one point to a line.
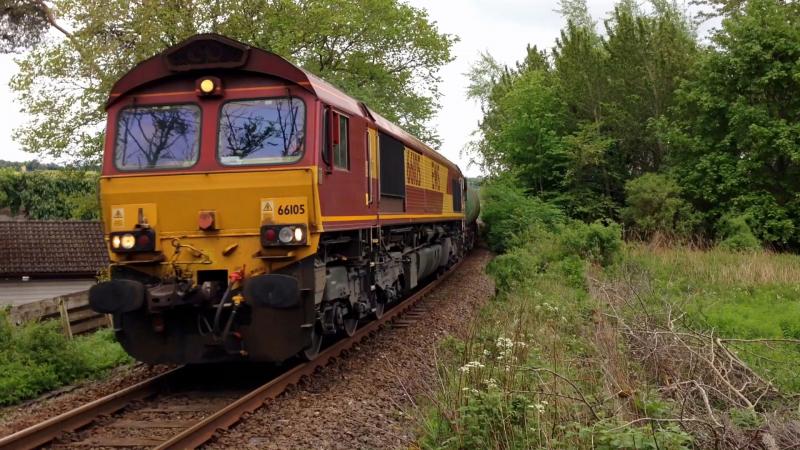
64 313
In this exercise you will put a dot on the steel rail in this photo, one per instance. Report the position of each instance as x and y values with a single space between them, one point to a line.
204 429
50 429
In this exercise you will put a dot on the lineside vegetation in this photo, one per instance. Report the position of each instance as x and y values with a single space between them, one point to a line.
37 357
592 343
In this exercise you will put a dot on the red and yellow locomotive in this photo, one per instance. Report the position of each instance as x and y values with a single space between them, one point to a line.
252 208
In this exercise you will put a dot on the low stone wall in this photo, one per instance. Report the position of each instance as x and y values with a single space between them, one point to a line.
72 310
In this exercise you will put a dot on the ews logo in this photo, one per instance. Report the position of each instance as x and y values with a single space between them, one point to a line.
424 172
436 180
414 168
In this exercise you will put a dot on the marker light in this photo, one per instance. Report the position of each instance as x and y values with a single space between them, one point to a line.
128 241
115 241
285 235
280 235
143 241
207 86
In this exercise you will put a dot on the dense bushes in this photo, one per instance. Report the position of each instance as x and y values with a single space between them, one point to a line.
736 234
50 194
537 237
509 213
654 205
36 357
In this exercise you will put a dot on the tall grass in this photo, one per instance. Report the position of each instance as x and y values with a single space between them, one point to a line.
590 343
531 375
744 295
720 266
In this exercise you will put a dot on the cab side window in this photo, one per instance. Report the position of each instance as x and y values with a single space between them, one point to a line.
341 150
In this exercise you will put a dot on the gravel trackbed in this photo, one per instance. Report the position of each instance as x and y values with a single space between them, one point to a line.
361 400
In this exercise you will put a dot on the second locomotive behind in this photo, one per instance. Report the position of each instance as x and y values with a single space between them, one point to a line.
252 209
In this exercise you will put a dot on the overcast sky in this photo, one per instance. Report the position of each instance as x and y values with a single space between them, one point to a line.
501 27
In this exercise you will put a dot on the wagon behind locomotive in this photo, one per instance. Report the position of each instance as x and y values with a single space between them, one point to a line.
251 208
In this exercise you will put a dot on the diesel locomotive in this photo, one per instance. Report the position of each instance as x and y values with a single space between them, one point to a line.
251 209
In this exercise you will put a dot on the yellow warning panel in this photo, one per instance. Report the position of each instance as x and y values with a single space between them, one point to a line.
126 217
117 218
284 210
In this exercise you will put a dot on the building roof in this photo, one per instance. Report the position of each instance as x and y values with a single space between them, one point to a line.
47 249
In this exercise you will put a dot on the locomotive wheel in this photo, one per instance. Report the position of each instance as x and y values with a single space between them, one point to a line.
316 343
350 325
380 307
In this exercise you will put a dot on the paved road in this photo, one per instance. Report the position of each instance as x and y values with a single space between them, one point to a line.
20 292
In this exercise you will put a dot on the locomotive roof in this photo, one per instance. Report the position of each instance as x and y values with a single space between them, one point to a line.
214 51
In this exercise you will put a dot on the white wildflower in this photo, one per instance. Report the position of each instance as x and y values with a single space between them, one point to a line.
471 365
504 342
539 407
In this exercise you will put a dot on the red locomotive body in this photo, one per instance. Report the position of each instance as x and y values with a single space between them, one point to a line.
252 208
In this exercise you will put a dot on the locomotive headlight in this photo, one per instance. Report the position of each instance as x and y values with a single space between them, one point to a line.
127 241
285 235
298 234
115 241
207 86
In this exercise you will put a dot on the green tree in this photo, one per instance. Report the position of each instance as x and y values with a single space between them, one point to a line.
382 51
50 194
735 134
647 54
575 124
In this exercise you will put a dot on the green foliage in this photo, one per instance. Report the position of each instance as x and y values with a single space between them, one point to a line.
498 389
734 134
508 213
36 357
613 436
383 52
654 206
736 234
62 194
577 123
22 24
596 242
643 124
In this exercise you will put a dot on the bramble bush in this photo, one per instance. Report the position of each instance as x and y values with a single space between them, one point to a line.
36 357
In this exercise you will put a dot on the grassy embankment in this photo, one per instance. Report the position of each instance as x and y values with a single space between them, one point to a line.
592 343
37 357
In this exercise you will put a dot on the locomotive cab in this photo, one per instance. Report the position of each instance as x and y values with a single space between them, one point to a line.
251 208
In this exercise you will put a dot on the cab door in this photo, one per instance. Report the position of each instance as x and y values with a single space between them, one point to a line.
344 189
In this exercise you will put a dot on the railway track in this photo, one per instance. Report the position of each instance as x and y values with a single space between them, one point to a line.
145 411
